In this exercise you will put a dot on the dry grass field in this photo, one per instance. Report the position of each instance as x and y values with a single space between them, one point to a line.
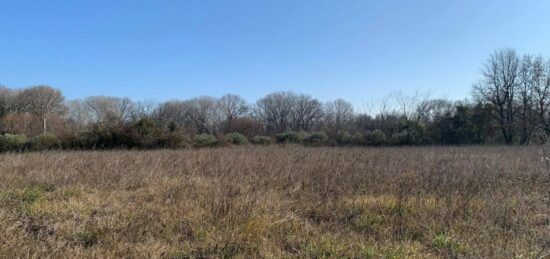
277 202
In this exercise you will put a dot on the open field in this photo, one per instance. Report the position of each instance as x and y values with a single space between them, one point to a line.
275 202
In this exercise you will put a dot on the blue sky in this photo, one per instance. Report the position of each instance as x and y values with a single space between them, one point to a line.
356 50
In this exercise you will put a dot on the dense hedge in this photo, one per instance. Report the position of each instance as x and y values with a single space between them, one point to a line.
10 142
142 136
146 134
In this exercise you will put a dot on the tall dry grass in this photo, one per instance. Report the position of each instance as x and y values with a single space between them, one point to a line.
274 202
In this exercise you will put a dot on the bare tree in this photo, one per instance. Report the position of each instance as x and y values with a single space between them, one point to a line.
428 110
412 106
338 114
109 110
525 90
201 114
386 105
78 114
7 100
499 86
307 111
386 114
231 107
144 109
274 111
41 101
171 114
541 92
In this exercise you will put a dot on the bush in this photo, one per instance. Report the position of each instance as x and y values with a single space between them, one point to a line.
145 134
246 126
281 137
10 142
73 141
400 138
316 139
173 140
404 137
376 138
204 140
45 141
343 137
297 137
357 139
236 138
105 137
262 140
445 244
291 137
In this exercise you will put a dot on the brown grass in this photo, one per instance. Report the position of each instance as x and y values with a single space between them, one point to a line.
274 202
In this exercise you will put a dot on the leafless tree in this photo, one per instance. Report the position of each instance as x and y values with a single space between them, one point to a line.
412 106
428 110
171 114
306 112
109 110
338 114
202 114
387 107
231 107
143 110
499 86
78 114
386 114
368 107
274 111
526 86
7 100
541 92
42 101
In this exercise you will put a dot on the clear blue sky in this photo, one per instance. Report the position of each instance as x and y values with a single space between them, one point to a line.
356 50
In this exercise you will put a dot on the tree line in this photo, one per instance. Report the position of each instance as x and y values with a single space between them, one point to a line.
510 104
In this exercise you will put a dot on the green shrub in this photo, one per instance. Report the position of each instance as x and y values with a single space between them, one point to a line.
107 137
445 244
401 138
145 133
261 140
173 140
10 142
357 139
204 140
316 139
291 137
236 138
90 236
73 141
297 137
45 141
281 137
343 137
376 138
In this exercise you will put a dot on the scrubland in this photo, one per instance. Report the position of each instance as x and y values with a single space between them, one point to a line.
277 202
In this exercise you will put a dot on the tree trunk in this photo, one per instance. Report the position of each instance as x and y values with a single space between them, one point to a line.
44 124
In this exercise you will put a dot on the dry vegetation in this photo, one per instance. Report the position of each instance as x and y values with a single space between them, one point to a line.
275 202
